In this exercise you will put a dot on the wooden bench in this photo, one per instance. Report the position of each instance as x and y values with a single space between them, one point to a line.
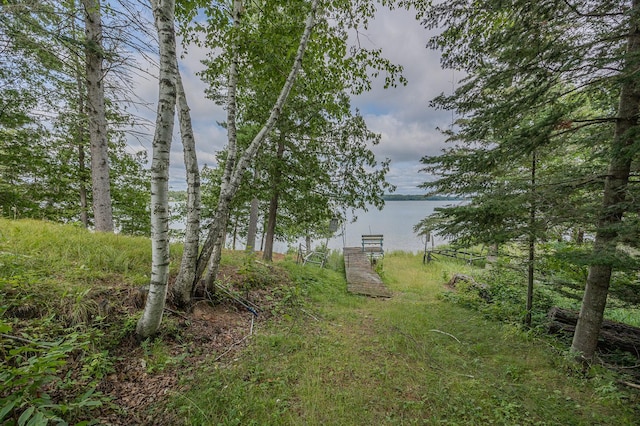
372 244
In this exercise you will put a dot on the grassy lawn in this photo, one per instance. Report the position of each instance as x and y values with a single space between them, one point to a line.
412 359
318 355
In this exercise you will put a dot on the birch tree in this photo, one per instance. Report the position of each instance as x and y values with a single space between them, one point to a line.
163 12
355 64
45 48
183 285
237 161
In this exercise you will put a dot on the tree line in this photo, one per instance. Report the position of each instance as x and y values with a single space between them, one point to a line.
546 140
65 155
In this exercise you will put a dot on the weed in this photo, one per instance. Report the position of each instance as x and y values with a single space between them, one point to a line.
335 261
97 366
157 358
79 308
55 340
31 368
255 275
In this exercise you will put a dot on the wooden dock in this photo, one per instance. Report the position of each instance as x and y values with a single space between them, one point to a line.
361 278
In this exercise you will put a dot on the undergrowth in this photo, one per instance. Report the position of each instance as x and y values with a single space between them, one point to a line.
69 303
58 318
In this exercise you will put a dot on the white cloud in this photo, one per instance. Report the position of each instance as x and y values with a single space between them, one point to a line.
404 140
402 115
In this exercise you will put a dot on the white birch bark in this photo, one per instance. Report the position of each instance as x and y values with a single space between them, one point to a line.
184 282
163 12
236 166
94 57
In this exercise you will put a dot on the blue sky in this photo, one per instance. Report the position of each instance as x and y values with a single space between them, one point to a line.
401 115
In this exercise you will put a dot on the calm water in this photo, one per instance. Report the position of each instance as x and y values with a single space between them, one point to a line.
395 222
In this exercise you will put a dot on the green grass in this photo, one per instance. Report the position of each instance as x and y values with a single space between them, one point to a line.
327 357
60 293
412 359
70 253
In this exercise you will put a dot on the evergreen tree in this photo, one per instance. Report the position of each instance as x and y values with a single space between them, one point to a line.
523 57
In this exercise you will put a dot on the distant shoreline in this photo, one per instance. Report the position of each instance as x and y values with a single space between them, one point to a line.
181 196
405 197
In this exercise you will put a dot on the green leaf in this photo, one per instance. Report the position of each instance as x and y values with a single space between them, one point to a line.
25 416
38 419
7 408
4 327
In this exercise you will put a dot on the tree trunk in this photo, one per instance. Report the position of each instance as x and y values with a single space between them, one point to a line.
254 211
594 300
532 243
183 287
163 12
253 225
267 253
273 203
235 234
94 57
214 245
234 169
81 134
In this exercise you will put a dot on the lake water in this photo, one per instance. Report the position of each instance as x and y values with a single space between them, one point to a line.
395 221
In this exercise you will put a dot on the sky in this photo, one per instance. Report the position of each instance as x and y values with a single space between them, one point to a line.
408 126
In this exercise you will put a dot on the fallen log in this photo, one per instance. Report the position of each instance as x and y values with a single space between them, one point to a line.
613 335
481 288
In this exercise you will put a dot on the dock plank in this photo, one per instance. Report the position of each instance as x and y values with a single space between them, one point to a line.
361 278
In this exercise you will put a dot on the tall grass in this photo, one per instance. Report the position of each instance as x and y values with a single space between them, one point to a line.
66 250
411 359
52 278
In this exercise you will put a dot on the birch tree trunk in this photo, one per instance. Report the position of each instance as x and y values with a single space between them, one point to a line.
235 165
183 286
216 253
94 57
163 12
594 300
